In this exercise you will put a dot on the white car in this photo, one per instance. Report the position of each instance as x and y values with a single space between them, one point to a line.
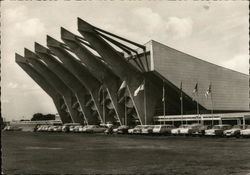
95 129
163 129
217 130
177 131
138 129
235 131
189 129
147 129
245 132
58 129
130 131
51 128
66 127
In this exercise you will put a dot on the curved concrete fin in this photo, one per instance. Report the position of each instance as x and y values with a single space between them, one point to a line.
79 71
126 72
20 59
41 49
57 83
67 35
96 67
69 79
47 88
84 26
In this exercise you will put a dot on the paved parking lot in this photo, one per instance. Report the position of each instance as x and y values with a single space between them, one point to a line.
72 153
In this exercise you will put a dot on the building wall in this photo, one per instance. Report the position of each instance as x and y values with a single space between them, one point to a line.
230 89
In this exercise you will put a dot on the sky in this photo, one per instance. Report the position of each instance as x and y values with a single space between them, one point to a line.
215 31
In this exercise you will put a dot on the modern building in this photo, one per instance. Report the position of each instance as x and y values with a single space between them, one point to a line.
113 79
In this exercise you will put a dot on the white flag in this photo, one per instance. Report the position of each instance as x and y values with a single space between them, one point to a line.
123 85
140 88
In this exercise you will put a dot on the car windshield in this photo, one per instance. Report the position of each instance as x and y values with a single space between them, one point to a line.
237 126
157 126
226 127
185 126
138 127
216 127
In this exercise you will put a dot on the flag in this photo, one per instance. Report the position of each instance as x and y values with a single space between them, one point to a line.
140 88
209 91
181 91
123 85
195 88
163 93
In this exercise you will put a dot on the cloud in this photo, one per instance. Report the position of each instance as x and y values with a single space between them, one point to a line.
171 27
20 22
30 27
16 14
239 63
179 27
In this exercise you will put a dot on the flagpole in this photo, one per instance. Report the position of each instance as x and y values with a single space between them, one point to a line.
103 105
163 98
145 102
181 105
197 101
212 110
125 111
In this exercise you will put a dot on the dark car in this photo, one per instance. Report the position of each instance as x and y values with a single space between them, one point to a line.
123 129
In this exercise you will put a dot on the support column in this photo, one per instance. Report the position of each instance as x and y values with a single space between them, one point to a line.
39 79
126 72
93 117
57 83
98 69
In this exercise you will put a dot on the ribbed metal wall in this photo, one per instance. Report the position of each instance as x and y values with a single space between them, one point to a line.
230 89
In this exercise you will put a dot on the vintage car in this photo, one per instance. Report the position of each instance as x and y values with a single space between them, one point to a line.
201 130
233 132
137 129
51 128
245 132
57 129
176 131
189 129
163 129
76 128
147 129
123 129
66 127
95 129
12 128
217 130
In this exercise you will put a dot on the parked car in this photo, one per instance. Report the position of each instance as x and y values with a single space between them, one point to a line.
45 128
163 129
76 128
137 129
147 129
245 132
95 129
123 129
217 130
176 131
189 129
201 130
12 128
233 132
66 127
57 129
83 128
51 128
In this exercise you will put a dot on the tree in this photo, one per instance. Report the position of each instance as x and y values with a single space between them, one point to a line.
39 116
